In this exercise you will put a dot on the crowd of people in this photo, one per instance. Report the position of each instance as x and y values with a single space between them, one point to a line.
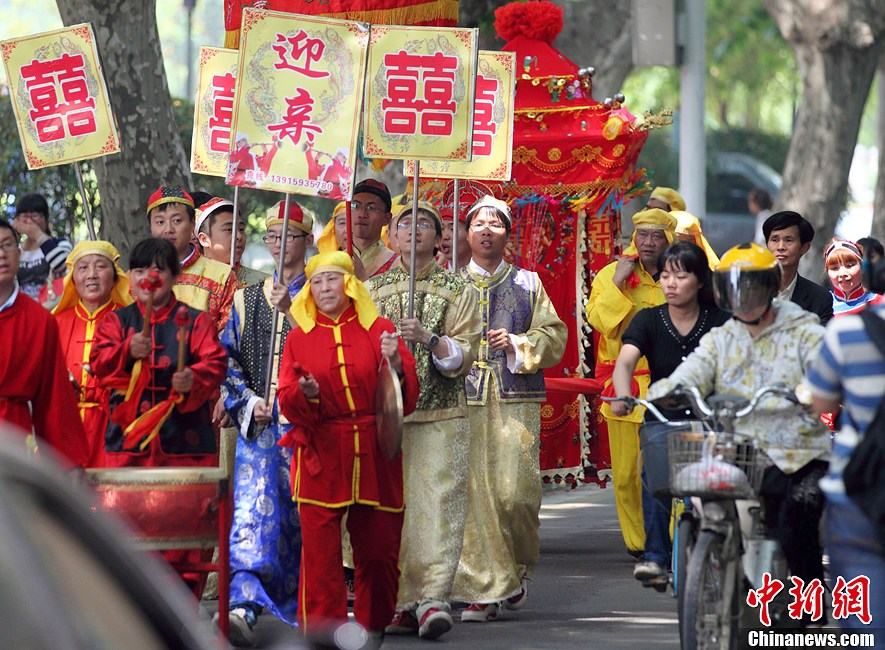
148 367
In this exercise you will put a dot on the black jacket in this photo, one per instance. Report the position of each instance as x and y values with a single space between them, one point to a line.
814 298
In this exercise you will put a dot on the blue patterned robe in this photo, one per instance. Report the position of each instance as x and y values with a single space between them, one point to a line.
265 536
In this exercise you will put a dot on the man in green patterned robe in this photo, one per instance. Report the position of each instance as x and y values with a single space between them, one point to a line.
445 333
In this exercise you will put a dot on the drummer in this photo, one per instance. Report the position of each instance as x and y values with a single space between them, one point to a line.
329 376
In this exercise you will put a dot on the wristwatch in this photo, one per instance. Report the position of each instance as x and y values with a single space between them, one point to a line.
433 342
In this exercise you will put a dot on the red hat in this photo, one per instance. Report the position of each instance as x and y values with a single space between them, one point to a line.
169 194
447 212
379 189
297 218
213 205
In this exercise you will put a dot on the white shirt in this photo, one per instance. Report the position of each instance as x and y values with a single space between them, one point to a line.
787 293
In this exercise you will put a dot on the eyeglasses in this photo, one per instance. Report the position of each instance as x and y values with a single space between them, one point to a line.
494 226
407 225
8 245
273 239
368 207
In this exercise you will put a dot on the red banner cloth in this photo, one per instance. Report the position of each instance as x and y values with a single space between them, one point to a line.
441 13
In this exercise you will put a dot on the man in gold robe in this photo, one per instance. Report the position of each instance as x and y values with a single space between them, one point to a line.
445 333
521 335
619 290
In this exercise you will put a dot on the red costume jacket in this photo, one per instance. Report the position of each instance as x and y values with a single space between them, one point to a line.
76 328
187 437
35 390
337 461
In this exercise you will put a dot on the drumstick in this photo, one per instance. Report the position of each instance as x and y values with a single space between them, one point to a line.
150 284
182 322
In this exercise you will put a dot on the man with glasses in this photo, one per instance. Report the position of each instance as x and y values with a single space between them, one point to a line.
521 335
619 290
370 212
264 546
35 390
445 334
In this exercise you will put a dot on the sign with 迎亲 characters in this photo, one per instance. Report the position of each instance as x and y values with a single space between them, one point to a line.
298 96
59 97
214 111
419 93
492 125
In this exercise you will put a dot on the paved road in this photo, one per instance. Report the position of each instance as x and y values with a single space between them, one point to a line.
582 596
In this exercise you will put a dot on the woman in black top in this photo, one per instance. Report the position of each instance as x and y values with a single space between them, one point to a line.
665 336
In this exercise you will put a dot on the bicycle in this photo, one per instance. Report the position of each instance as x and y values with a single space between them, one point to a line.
720 470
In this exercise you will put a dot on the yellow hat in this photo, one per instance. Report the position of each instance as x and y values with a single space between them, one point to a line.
304 309
422 205
298 218
328 241
652 219
747 257
688 224
119 293
669 196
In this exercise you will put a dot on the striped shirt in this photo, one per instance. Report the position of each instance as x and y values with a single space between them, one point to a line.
850 368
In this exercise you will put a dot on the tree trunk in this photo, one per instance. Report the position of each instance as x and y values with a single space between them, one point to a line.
151 149
879 202
595 33
837 47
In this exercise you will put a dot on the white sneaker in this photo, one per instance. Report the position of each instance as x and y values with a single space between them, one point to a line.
480 613
647 570
518 599
241 633
433 621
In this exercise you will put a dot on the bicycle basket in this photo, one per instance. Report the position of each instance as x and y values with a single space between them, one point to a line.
714 465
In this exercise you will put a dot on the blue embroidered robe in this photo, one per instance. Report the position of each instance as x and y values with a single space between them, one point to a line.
265 537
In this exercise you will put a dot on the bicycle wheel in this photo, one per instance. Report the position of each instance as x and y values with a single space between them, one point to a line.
710 610
683 541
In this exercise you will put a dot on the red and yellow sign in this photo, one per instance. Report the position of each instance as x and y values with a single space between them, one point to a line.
419 95
299 85
492 125
59 97
214 111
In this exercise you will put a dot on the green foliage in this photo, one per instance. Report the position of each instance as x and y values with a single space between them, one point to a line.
660 159
660 156
752 79
770 148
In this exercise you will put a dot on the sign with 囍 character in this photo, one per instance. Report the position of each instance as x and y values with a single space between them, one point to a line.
419 93
214 111
59 97
296 111
492 125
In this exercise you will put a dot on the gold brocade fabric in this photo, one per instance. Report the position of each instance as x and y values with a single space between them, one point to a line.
446 308
435 461
247 276
375 258
501 538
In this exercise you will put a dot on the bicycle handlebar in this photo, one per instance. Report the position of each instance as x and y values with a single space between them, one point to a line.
700 405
